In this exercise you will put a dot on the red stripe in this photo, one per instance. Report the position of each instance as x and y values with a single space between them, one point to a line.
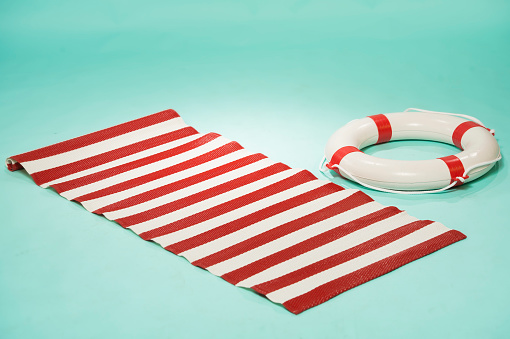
92 138
138 147
172 187
280 186
340 258
355 200
87 163
253 218
206 194
260 265
383 127
460 130
214 154
342 284
455 167
14 167
340 154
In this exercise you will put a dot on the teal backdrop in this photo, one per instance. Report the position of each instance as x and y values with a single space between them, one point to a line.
279 77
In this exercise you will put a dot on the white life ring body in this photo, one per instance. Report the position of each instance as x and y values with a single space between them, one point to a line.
477 143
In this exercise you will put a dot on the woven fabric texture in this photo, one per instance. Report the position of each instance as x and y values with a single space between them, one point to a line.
254 222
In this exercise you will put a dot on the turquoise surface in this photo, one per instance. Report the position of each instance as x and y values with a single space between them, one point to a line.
279 77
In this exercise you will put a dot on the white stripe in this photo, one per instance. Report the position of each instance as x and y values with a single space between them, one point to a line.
229 216
104 146
194 188
144 170
266 225
129 158
306 285
106 200
293 238
344 243
236 214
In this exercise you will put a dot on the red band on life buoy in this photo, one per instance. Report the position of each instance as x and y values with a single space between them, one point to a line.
383 127
460 130
455 167
339 155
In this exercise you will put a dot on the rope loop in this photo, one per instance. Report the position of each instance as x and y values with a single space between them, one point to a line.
462 179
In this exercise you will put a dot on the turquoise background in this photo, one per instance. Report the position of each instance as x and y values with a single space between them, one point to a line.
279 77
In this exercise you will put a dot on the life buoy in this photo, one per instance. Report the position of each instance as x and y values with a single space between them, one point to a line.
480 151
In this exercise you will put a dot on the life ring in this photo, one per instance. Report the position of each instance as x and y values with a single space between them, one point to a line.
480 151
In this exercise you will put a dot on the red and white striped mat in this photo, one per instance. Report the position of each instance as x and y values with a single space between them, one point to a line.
255 222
